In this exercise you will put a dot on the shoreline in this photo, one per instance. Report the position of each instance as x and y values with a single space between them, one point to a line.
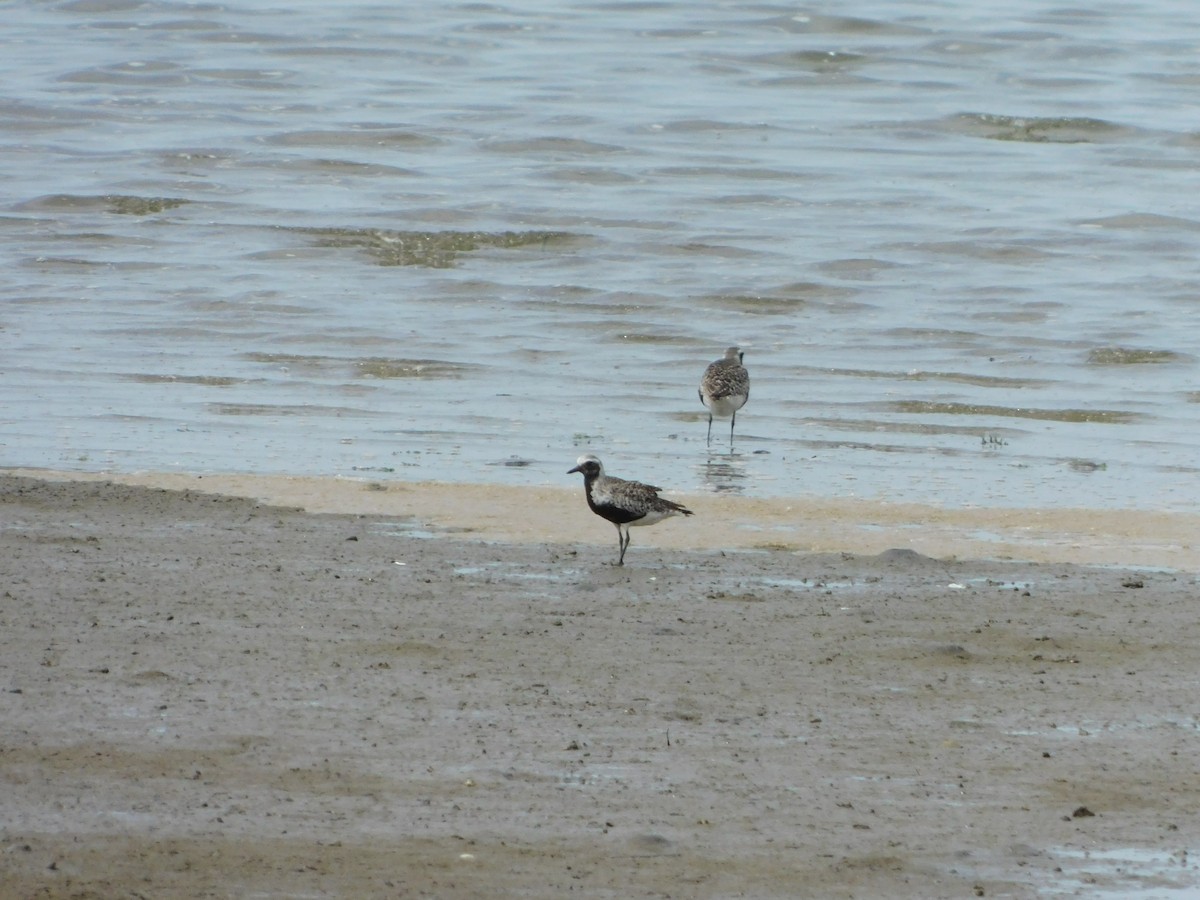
558 515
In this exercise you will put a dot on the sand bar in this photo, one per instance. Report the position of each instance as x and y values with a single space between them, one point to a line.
1168 540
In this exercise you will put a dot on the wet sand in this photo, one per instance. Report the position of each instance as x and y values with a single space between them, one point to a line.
394 692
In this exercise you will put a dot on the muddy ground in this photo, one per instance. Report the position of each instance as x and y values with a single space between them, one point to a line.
205 696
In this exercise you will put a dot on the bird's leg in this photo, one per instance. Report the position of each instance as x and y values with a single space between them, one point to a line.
710 428
623 539
732 422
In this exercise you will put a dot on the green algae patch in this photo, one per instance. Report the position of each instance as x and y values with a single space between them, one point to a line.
409 368
125 205
363 367
1097 416
1129 356
203 380
432 249
1039 129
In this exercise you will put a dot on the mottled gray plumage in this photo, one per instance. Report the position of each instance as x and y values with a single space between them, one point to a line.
725 388
624 503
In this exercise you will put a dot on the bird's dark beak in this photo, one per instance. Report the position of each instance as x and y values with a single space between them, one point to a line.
576 469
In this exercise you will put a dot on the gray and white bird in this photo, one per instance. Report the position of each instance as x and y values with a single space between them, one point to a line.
624 503
725 388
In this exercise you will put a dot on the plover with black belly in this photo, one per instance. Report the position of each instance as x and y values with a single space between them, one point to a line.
725 388
624 503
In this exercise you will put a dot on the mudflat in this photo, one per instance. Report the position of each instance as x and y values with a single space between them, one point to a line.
207 695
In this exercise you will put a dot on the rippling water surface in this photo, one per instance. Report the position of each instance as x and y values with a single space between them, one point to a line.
957 242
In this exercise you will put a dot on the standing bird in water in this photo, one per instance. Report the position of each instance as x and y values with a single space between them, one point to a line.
725 388
624 503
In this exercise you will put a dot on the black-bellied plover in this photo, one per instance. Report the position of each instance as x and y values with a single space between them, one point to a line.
624 503
725 388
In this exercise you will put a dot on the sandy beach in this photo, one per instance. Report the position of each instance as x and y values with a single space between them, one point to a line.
239 687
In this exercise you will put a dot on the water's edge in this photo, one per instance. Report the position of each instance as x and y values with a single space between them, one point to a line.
554 515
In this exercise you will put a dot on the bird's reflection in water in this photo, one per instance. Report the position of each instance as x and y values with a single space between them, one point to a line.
725 474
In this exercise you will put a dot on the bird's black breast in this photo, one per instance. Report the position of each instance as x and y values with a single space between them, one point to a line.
618 514
615 514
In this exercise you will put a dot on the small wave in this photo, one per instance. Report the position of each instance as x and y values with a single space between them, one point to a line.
392 138
811 23
1143 222
821 61
272 409
552 145
156 73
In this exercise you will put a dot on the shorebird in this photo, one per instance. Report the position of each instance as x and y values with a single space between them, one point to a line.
725 388
624 503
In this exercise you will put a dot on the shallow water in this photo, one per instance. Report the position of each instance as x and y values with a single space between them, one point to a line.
1166 873
470 243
